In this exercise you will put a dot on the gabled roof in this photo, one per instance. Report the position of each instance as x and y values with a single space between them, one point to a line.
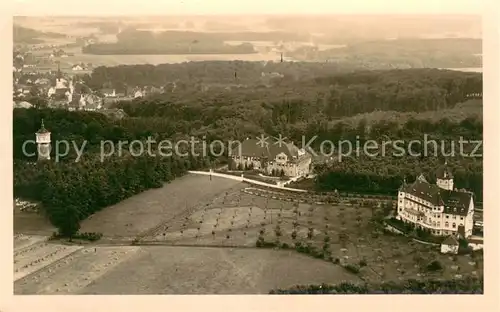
450 240
454 202
254 148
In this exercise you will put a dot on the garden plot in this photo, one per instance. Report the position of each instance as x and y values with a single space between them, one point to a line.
74 272
343 234
213 226
38 256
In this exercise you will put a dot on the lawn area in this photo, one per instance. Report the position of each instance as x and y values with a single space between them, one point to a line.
200 270
147 210
34 223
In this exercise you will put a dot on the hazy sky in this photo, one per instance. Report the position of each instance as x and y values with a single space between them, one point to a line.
162 7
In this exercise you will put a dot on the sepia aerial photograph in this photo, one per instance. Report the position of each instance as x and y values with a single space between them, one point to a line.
248 154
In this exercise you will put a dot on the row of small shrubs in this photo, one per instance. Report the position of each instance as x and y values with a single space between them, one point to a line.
324 254
352 268
307 249
89 236
469 285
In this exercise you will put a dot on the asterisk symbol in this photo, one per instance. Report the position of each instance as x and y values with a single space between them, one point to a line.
280 140
262 141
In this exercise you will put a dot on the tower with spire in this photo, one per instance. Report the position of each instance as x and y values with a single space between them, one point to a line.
43 143
444 177
60 81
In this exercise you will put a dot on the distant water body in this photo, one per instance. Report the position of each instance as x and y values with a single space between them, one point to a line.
467 69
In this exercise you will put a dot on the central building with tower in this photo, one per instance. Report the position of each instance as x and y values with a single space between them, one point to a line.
439 208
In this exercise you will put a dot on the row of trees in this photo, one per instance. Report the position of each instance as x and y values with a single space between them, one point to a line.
469 285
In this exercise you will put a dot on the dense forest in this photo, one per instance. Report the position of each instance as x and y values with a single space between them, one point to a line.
401 53
340 86
323 107
188 74
32 36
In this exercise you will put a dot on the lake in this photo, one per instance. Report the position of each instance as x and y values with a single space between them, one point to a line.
467 69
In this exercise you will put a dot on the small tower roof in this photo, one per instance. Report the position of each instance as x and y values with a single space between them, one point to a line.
42 129
444 172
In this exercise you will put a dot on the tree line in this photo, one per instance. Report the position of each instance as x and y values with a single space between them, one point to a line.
468 285
191 73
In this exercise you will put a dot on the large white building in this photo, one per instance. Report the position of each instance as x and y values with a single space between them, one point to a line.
439 208
283 158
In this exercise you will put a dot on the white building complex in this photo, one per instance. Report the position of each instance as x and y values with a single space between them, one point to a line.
439 208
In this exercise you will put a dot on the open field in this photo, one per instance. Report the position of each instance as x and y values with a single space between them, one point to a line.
31 223
178 270
142 212
75 271
33 253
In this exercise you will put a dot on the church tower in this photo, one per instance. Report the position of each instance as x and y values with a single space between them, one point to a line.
43 143
444 177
